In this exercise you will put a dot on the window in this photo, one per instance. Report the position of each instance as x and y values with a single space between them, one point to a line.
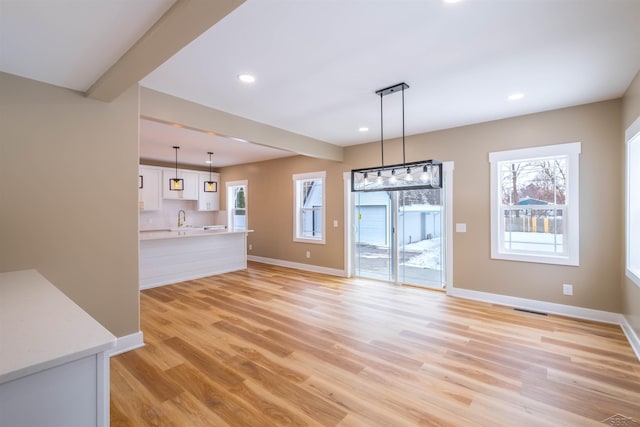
633 202
237 211
308 190
534 204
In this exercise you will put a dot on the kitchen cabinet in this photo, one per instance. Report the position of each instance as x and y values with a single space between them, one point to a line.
190 178
149 196
208 201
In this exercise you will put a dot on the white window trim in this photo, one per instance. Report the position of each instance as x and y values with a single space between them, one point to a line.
296 225
632 136
228 184
572 150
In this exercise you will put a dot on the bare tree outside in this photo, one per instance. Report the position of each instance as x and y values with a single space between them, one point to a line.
544 180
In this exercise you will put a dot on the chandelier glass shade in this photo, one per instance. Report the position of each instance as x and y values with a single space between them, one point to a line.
401 176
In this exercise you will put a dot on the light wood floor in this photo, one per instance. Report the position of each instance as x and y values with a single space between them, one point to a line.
271 346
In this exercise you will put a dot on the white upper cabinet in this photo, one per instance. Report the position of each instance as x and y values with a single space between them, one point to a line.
208 201
190 178
149 194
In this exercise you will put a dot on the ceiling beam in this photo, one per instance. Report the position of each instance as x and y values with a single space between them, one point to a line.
181 24
165 108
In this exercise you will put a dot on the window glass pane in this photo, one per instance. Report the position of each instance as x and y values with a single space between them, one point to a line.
311 223
237 203
309 206
533 195
311 209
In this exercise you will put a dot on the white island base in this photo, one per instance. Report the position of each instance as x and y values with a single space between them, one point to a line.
174 256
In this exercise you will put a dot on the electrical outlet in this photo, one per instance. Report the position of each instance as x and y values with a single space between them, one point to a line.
308 254
250 246
567 289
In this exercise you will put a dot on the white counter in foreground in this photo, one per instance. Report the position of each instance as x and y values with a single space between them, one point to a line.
53 364
174 256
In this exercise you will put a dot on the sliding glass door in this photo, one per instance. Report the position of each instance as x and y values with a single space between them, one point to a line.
400 236
421 240
374 235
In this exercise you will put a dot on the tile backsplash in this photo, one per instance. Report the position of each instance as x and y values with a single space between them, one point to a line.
167 216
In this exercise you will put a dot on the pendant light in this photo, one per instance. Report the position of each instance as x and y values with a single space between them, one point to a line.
210 186
176 184
398 176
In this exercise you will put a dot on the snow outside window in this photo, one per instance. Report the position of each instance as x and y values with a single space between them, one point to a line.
309 217
534 204
633 202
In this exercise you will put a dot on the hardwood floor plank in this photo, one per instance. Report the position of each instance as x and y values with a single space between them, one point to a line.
205 363
153 380
272 346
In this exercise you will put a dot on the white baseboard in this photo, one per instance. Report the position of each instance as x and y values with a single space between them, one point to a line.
126 343
553 308
539 306
632 337
298 266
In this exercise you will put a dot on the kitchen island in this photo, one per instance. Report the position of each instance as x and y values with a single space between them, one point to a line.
54 367
175 255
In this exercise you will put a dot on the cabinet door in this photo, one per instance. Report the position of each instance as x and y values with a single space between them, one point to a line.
149 195
208 201
190 184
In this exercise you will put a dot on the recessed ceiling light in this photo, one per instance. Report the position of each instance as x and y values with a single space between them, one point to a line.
451 1
515 96
208 162
246 78
363 129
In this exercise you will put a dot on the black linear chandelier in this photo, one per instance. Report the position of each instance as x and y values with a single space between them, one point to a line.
425 174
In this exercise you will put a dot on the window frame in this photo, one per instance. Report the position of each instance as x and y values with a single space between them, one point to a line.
298 179
571 227
632 202
231 209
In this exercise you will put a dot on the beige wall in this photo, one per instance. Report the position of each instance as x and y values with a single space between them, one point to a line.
631 292
597 126
270 204
68 167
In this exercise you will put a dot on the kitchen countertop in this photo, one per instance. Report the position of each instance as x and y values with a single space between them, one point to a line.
40 327
154 234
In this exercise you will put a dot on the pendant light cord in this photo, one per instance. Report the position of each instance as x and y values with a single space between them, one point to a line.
175 147
404 161
381 132
210 161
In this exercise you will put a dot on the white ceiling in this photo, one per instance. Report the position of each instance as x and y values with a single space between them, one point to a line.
318 63
71 43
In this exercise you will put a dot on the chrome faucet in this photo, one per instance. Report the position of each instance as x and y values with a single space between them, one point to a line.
184 218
